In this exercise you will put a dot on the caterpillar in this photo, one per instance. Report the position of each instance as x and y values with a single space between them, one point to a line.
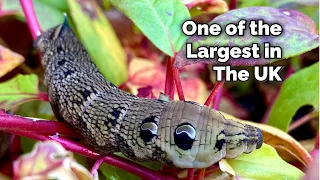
183 134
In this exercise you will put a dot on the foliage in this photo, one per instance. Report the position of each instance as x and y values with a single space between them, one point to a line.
135 61
294 94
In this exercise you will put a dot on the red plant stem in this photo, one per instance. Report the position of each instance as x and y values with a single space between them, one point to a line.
43 96
96 165
217 88
217 100
212 169
232 4
30 16
177 81
302 120
266 115
12 122
169 84
316 143
190 174
201 174
113 160
173 77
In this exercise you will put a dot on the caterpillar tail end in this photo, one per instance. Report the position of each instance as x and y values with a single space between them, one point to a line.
260 139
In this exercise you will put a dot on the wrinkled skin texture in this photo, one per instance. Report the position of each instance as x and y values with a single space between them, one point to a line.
179 133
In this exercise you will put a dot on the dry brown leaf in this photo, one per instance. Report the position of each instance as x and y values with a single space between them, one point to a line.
9 60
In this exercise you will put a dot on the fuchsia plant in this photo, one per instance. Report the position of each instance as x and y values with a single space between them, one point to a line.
43 130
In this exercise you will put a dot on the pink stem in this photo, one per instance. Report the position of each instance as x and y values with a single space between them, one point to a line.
43 96
215 91
177 80
169 84
113 160
217 99
266 115
12 122
96 165
190 174
302 120
30 16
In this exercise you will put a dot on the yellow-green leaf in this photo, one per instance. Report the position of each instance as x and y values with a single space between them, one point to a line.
99 39
20 89
263 164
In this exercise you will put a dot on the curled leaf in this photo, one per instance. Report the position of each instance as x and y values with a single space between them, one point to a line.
49 160
8 60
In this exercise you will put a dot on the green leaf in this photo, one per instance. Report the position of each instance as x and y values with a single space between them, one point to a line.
246 3
38 109
264 164
49 13
20 89
159 20
100 40
299 35
301 88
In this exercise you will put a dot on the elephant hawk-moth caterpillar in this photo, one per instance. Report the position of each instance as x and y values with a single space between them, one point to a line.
179 133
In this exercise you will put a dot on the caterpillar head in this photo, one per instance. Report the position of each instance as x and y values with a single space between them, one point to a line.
61 36
197 136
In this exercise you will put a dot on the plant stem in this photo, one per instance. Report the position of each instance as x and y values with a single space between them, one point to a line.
214 92
302 120
169 84
96 165
173 77
113 160
232 4
43 96
201 174
177 80
31 19
12 122
190 174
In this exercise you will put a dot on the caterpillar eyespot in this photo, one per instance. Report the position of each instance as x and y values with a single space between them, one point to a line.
176 133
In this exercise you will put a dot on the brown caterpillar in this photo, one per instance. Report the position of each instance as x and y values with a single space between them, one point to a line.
179 133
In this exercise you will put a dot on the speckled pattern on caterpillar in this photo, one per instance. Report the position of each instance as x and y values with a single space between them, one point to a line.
179 133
